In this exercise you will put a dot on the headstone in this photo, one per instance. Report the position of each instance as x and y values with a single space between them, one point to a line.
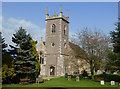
39 80
77 78
102 82
112 82
69 77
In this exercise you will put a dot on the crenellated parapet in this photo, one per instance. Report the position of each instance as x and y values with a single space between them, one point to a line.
60 16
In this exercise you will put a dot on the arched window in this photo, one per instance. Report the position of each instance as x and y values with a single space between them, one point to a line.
53 28
42 60
64 30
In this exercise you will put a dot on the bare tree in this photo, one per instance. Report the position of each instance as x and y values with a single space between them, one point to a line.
95 44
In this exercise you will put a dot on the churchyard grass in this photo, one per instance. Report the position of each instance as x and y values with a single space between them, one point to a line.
63 82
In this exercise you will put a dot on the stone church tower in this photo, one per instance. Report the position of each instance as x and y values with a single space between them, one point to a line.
56 45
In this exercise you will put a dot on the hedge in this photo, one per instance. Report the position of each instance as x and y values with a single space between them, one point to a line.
109 77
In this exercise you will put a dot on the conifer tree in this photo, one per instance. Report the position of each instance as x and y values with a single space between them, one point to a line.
6 58
116 38
8 71
4 46
24 59
115 62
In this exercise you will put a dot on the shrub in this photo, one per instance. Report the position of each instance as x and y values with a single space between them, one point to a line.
80 76
98 79
108 77
84 74
90 77
8 74
66 75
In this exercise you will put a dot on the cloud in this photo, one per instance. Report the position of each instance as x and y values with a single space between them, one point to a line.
11 25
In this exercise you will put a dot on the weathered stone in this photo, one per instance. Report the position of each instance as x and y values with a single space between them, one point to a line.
57 50
112 82
39 80
77 78
102 82
57 28
69 77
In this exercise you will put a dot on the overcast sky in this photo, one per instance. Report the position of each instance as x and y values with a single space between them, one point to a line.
31 16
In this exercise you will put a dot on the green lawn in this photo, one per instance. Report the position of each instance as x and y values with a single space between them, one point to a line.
63 82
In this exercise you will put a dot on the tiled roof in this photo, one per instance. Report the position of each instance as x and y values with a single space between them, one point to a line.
77 50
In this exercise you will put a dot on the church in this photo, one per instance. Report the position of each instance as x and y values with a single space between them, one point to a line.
57 54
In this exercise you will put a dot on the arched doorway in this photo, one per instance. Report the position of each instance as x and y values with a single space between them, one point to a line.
52 70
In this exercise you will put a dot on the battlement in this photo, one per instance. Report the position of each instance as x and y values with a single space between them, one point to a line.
60 16
57 17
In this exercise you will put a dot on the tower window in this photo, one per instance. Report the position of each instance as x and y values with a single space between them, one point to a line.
42 60
64 30
52 44
53 28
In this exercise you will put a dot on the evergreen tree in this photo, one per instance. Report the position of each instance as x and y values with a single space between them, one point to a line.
110 63
13 51
37 63
6 58
115 63
4 46
116 38
24 59
8 71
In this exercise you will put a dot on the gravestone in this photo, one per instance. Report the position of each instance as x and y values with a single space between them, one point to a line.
39 80
102 82
112 82
77 78
69 77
